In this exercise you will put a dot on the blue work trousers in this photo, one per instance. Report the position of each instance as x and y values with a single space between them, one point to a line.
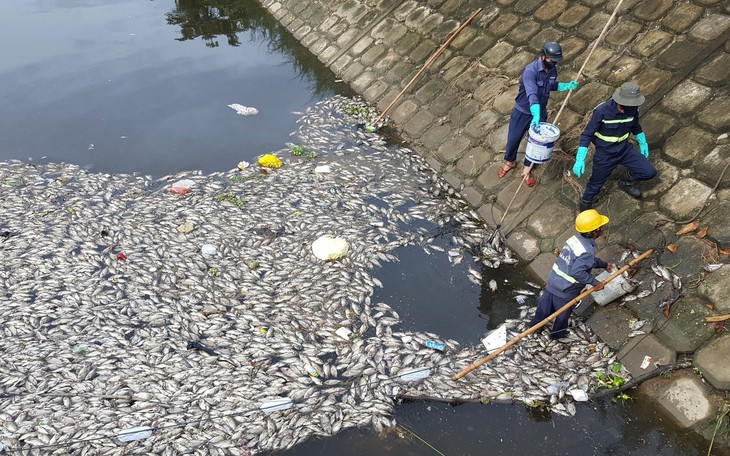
604 163
519 122
548 304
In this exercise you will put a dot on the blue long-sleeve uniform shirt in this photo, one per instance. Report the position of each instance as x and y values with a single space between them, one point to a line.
609 128
535 86
572 269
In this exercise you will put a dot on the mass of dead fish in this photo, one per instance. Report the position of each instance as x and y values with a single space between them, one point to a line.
114 318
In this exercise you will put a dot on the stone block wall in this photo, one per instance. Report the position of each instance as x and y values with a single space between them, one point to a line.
457 114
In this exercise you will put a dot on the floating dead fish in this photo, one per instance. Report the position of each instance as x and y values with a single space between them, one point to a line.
524 292
712 267
492 285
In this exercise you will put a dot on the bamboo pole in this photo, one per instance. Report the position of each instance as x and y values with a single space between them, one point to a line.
426 65
547 320
590 53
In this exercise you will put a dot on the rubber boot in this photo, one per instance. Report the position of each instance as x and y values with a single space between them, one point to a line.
628 185
585 205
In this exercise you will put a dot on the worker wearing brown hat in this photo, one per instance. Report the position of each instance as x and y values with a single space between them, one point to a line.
609 129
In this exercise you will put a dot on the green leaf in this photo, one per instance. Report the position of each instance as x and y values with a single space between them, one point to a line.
616 368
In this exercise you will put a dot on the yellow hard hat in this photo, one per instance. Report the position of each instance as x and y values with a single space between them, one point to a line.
589 220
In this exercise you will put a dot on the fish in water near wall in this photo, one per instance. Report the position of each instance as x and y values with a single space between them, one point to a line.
295 331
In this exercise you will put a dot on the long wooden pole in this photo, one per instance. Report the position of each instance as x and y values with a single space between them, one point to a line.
428 62
590 53
547 320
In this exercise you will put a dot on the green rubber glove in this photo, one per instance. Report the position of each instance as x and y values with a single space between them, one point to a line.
580 161
565 86
643 145
535 111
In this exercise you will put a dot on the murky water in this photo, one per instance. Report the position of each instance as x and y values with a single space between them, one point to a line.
144 86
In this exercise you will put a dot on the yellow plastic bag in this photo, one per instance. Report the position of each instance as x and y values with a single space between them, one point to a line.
270 161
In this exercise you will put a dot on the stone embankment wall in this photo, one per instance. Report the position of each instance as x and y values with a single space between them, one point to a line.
457 116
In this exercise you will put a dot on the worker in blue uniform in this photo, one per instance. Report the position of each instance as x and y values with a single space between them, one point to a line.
537 80
608 130
572 272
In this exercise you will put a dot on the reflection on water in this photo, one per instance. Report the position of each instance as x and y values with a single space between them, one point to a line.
209 19
113 87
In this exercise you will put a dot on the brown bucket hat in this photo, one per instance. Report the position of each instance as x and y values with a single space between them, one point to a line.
628 95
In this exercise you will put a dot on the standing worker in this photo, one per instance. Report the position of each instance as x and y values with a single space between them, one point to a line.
609 129
536 82
572 272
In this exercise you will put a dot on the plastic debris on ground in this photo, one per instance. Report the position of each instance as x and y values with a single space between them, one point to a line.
330 248
646 362
135 433
270 161
243 110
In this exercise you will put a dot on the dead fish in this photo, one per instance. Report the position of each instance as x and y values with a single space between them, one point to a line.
643 294
712 267
524 292
492 284
533 285
636 325
637 333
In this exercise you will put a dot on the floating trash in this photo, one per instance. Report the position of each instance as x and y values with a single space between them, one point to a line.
330 248
135 433
243 110
181 187
412 375
208 249
270 161
322 169
496 338
578 394
243 165
274 405
344 333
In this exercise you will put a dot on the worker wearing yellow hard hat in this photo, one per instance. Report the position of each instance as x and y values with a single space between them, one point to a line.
572 271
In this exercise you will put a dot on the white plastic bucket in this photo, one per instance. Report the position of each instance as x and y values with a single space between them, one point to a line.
540 143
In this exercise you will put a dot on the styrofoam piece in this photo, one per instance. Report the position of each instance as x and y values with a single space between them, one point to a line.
496 338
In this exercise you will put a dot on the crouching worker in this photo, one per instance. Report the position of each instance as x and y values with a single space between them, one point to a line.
572 272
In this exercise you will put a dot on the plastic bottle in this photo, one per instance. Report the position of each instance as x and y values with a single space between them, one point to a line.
435 345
